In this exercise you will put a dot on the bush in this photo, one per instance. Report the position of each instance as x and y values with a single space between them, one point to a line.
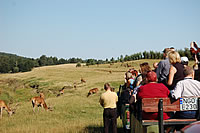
15 69
78 65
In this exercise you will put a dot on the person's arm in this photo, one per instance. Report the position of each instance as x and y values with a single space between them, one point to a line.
116 98
139 80
177 91
101 102
172 71
128 83
139 93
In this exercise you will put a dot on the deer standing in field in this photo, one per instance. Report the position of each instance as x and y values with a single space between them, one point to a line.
83 80
92 91
4 106
39 102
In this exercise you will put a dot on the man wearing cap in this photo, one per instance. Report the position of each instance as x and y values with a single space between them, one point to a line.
153 90
184 61
108 101
162 70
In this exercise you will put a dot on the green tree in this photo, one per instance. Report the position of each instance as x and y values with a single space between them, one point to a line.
188 53
61 61
112 60
43 60
4 64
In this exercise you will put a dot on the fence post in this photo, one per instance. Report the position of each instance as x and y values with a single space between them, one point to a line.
160 110
198 111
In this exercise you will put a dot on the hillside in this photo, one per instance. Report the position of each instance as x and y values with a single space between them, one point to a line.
72 111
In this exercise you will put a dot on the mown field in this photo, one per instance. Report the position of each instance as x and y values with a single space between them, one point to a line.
73 111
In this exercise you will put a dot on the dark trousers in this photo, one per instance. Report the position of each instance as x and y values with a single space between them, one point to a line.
185 115
110 120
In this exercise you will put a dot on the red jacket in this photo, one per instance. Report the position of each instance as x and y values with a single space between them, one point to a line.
153 90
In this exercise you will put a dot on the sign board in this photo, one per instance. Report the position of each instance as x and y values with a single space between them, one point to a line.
189 103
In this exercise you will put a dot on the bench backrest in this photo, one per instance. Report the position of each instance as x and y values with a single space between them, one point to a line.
161 105
151 105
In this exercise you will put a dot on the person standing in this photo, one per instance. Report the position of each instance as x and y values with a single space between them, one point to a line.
176 69
108 101
162 71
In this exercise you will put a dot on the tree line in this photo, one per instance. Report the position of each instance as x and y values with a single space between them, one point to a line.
11 63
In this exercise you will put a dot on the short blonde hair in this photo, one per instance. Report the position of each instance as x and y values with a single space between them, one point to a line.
174 57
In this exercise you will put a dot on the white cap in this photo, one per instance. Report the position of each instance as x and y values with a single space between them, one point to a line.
184 59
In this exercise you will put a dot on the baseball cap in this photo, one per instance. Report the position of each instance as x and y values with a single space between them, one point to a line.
184 60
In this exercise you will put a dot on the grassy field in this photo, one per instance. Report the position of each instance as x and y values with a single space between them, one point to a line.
72 111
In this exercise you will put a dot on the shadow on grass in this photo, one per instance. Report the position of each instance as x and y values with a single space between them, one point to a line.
99 129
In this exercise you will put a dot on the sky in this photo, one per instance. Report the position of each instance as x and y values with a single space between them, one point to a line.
96 29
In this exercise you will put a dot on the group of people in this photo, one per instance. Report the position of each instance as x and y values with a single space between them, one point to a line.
171 77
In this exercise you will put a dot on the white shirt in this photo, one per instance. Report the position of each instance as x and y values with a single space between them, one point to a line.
186 88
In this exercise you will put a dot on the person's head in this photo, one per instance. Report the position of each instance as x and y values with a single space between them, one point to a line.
188 72
172 48
106 86
184 61
128 75
145 67
166 51
151 76
174 57
135 73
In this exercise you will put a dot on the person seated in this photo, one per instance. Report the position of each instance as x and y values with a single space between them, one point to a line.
186 88
153 90
130 80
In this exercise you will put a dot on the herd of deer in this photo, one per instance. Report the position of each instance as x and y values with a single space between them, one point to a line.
36 101
39 101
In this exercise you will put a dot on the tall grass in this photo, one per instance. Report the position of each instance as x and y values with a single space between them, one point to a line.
73 111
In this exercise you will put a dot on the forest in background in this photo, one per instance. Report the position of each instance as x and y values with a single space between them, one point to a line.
11 63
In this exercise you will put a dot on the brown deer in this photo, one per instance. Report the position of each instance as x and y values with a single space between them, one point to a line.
4 106
61 92
83 80
92 91
75 85
39 102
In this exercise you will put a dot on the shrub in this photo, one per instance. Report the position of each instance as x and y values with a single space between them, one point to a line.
78 65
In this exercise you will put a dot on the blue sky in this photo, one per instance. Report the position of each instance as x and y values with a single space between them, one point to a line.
96 29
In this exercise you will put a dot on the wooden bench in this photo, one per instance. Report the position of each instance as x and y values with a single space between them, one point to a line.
161 105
